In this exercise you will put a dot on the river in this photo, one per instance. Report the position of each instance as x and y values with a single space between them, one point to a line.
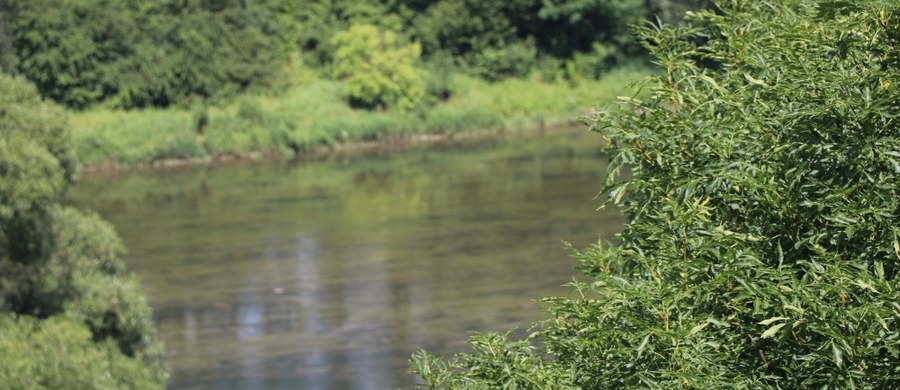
329 274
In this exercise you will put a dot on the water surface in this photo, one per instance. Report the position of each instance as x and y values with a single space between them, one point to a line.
330 274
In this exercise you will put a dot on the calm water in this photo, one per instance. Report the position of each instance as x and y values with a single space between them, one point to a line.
329 274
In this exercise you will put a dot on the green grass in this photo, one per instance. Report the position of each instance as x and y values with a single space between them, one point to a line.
314 114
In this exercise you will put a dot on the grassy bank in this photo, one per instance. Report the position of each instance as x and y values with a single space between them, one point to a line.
315 114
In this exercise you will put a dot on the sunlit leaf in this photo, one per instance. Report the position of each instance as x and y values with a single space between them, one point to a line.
772 331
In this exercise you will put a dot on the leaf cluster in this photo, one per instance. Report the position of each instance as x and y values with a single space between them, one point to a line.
761 183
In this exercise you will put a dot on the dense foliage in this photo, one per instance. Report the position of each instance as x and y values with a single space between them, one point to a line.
140 53
377 69
762 247
69 314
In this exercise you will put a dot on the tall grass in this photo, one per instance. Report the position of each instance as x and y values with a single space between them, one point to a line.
132 137
314 114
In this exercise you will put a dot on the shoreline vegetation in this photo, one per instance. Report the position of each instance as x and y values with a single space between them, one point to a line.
313 119
395 143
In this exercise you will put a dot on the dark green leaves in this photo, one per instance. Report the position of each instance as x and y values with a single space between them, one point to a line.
761 244
142 53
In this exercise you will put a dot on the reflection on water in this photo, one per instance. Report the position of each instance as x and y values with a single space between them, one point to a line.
330 274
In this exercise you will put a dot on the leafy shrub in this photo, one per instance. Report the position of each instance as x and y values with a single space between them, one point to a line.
440 67
35 160
317 21
59 353
513 60
463 27
565 27
763 235
592 64
69 314
377 69
250 110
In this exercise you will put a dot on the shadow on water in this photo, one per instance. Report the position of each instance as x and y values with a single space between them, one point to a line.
330 274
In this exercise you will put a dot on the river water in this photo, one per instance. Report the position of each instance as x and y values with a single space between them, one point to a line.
329 274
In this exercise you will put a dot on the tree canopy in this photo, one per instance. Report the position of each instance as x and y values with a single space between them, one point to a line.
142 53
762 241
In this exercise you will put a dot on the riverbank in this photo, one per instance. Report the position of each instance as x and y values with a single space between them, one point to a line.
388 145
314 118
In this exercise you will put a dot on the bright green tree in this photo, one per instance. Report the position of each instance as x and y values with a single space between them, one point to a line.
70 316
378 70
317 21
762 243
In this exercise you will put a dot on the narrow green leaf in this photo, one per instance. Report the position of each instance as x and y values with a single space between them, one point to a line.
620 193
771 320
897 247
754 80
864 285
882 322
714 84
640 350
773 330
697 328
794 308
838 354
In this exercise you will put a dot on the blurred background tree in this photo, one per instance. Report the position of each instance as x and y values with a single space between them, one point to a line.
143 53
378 70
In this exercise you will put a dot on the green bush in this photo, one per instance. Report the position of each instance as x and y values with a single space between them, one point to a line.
35 160
464 27
513 60
59 353
378 70
439 70
566 27
70 317
762 243
592 64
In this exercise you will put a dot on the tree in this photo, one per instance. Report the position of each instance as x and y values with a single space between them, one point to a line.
318 21
143 53
62 46
378 70
464 27
69 314
575 26
762 247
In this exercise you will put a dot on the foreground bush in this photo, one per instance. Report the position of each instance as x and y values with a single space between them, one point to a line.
70 317
761 248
